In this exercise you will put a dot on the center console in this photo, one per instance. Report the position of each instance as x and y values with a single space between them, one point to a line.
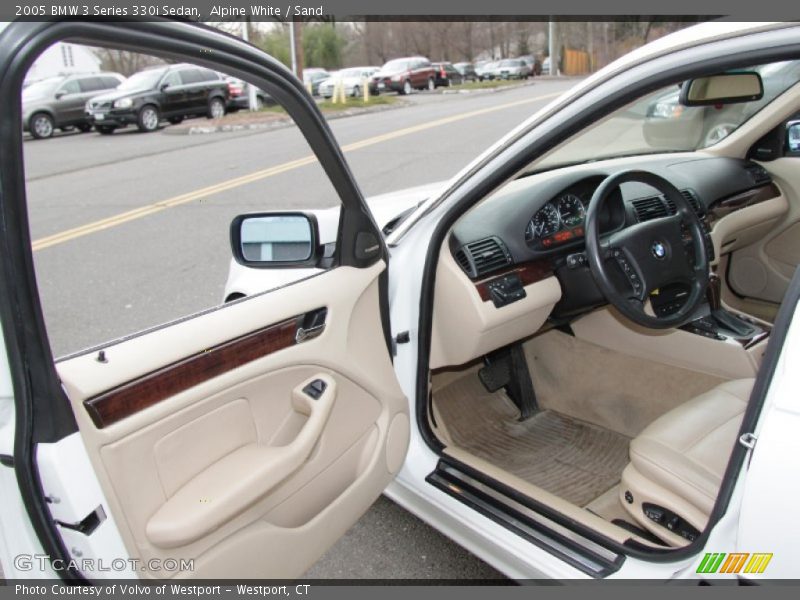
711 319
715 340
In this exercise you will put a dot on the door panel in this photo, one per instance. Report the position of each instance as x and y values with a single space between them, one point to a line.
232 467
763 269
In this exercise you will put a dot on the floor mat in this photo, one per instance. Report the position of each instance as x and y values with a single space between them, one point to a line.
572 459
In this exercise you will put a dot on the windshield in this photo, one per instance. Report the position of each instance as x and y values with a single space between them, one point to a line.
659 123
509 63
41 88
144 80
345 73
396 65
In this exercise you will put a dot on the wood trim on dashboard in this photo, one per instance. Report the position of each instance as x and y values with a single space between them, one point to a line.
529 272
147 390
749 198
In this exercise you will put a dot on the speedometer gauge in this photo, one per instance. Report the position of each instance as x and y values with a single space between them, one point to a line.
570 210
545 222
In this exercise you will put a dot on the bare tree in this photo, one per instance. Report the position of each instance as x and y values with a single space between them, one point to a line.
124 62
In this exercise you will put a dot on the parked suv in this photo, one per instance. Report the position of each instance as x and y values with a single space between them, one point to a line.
59 101
403 75
172 93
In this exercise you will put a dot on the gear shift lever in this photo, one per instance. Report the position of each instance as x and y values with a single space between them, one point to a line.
723 318
714 292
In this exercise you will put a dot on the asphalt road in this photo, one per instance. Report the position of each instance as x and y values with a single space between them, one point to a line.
103 279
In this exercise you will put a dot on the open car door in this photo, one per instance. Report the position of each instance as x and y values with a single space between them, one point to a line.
243 440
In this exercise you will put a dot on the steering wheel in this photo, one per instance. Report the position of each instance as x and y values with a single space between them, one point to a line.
633 262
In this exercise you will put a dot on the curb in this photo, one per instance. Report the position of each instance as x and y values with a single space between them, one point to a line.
279 123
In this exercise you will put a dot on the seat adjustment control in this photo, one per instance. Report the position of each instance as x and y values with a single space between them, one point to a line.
670 520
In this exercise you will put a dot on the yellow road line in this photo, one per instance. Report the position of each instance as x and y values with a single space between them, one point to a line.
143 211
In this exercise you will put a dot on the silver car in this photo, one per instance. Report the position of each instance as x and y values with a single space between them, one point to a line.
511 68
58 102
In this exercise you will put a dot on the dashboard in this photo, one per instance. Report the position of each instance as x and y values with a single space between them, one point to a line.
533 228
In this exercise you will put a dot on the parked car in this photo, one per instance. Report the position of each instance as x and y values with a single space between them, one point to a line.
403 75
528 359
239 95
546 66
511 68
146 98
485 70
447 74
467 71
354 79
58 102
534 63
314 76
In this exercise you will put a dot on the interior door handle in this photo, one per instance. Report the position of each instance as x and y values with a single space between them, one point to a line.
237 481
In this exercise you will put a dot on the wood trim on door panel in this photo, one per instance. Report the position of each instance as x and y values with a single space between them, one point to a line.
147 390
529 272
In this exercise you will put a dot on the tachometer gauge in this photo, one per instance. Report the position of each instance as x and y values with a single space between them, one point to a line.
570 210
545 222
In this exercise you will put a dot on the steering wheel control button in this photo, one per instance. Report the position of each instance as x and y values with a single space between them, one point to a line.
577 260
315 389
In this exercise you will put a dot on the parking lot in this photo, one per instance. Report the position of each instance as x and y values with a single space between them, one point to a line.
131 230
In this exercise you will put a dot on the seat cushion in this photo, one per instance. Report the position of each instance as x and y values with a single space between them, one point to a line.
686 450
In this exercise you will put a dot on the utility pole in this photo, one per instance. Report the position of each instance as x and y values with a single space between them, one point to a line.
298 50
292 49
252 102
551 47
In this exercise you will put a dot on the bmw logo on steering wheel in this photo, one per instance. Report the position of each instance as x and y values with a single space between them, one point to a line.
659 250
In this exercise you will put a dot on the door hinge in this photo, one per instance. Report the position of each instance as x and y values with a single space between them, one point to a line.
748 440
89 523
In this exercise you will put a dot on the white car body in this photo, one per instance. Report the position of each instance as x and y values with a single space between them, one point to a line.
246 281
354 80
760 514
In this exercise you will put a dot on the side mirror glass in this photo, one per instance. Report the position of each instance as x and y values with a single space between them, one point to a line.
725 88
265 240
793 138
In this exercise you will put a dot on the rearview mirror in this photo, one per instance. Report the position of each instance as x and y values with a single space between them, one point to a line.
269 240
725 88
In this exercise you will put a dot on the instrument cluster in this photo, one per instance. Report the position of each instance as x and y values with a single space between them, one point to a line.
558 221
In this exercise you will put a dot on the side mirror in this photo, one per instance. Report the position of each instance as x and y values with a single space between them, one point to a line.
725 88
275 240
163 86
60 94
793 138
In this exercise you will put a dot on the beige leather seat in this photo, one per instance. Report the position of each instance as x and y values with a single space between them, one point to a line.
678 461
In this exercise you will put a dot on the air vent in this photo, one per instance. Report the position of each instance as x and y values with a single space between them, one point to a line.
649 208
482 257
463 261
758 174
694 202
